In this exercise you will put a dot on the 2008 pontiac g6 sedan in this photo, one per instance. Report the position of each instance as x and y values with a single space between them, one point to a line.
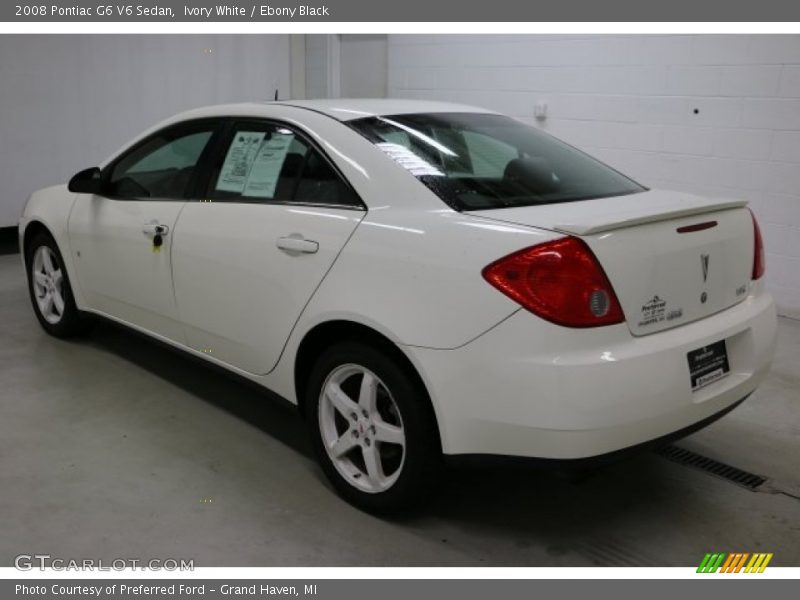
424 280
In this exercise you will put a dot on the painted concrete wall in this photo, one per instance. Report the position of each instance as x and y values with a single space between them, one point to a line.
68 101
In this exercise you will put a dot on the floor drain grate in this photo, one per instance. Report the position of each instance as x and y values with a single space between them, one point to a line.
697 461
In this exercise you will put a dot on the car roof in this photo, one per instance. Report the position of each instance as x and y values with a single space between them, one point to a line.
340 109
347 109
344 109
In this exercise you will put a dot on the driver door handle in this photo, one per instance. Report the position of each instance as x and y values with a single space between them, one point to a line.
155 228
298 244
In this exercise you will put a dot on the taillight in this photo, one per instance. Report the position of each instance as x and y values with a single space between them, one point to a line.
759 264
560 281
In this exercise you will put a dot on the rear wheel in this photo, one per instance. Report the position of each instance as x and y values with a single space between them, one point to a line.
50 291
372 428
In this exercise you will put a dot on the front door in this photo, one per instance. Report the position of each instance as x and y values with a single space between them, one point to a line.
122 240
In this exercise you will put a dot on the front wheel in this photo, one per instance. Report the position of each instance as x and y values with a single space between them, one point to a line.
372 428
50 291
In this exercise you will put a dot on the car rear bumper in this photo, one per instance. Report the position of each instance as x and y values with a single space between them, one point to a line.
532 389
501 460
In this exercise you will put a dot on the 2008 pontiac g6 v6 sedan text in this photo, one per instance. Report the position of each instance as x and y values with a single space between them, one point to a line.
422 279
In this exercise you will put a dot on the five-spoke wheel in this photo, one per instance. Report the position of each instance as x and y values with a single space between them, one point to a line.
50 291
362 428
48 280
372 426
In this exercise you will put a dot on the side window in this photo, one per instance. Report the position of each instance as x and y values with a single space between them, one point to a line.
270 163
320 184
163 166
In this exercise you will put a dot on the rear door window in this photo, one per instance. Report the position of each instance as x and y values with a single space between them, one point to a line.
271 163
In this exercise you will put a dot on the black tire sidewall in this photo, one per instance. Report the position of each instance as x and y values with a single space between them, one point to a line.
72 322
423 453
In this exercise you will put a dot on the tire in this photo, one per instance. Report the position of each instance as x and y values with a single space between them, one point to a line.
362 428
47 278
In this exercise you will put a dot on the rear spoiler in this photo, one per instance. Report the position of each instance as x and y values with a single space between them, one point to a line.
646 214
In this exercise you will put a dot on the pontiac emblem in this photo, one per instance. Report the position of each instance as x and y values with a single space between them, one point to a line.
704 263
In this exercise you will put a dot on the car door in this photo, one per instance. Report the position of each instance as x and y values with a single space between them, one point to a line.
247 258
122 239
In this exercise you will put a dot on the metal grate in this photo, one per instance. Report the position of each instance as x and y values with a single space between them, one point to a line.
697 461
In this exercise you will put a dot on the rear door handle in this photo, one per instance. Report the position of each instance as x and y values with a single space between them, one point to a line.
294 244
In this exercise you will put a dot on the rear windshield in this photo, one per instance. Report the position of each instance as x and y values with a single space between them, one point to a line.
476 161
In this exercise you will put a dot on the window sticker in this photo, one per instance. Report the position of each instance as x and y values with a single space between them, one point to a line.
239 160
266 168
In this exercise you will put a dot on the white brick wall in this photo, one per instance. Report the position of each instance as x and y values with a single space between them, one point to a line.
716 115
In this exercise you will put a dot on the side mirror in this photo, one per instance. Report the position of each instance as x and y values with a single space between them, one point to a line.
86 182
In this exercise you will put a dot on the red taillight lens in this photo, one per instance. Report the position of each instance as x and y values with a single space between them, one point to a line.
759 264
560 281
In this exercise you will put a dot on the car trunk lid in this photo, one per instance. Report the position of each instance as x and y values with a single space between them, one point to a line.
672 258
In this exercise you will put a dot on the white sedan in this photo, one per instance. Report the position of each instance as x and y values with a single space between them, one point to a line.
423 280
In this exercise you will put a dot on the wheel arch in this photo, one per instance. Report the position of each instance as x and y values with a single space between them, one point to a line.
32 228
36 225
325 334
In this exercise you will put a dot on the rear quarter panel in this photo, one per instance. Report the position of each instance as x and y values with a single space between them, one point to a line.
417 275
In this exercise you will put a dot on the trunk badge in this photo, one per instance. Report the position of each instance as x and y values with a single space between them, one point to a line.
704 263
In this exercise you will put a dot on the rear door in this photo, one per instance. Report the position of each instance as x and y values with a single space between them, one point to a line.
122 239
250 254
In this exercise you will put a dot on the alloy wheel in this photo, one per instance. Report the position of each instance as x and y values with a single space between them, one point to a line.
361 428
48 282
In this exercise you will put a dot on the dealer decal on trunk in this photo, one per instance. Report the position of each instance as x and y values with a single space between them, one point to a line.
655 311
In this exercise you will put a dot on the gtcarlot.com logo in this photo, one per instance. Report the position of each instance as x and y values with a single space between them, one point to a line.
735 562
27 562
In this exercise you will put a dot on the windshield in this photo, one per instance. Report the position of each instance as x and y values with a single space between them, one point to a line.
476 161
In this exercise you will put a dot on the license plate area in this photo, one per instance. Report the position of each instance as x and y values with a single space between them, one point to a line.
708 364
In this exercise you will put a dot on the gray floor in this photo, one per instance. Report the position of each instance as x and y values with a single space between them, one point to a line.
115 447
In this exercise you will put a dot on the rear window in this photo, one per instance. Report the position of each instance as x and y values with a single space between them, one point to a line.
476 161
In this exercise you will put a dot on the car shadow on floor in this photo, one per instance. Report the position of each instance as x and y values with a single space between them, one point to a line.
537 508
240 397
585 517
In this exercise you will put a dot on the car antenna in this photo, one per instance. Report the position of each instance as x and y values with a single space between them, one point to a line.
276 94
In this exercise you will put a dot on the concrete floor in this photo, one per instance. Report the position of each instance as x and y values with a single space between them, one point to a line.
113 446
